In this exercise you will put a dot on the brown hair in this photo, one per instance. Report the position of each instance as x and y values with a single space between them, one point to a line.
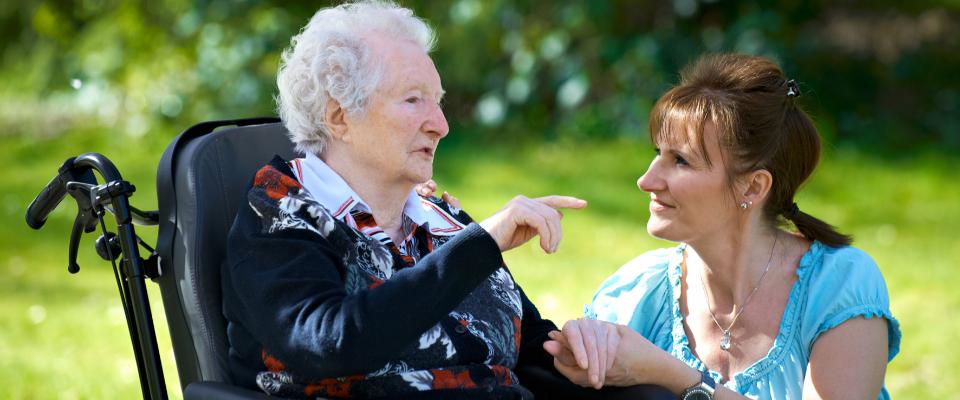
759 125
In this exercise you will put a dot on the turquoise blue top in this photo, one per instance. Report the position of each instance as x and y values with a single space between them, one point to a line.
833 285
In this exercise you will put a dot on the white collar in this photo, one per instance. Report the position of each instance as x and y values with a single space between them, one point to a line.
331 191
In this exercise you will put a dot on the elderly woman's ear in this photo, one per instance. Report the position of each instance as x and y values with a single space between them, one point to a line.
335 120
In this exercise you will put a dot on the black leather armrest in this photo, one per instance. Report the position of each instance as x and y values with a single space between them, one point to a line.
546 384
220 391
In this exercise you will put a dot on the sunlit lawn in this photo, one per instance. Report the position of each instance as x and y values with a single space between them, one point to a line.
64 336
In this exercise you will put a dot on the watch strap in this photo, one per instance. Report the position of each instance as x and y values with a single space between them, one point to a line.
701 391
705 378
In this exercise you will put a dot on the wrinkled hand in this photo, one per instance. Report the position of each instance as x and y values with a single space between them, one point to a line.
586 351
523 218
429 188
635 360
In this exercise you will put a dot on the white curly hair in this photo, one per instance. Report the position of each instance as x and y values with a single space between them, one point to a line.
329 59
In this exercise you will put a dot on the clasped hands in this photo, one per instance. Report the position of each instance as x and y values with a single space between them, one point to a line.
594 353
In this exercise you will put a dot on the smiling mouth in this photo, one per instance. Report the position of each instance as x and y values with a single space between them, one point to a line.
657 204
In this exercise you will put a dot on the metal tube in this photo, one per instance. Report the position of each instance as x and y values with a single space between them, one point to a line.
139 300
149 365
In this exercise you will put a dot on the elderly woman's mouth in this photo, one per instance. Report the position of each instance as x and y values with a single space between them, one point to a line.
427 151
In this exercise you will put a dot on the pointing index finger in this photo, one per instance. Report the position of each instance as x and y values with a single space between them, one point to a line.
562 201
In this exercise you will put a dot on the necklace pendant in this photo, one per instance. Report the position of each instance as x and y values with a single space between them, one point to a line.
725 341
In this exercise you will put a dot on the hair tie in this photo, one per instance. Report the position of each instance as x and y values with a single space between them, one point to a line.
793 90
792 212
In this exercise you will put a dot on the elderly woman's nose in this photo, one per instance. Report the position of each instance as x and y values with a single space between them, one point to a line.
436 122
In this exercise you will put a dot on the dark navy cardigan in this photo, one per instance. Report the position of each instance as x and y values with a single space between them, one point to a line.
307 317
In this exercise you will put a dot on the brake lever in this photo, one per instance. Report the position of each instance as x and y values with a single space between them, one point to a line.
86 220
72 266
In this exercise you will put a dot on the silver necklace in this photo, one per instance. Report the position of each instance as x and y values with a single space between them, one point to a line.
725 339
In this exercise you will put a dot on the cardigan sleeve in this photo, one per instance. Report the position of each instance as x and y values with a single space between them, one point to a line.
534 329
285 288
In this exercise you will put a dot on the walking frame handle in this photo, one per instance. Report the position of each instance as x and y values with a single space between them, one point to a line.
75 177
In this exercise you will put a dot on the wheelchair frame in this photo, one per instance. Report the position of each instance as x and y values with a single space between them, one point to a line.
75 178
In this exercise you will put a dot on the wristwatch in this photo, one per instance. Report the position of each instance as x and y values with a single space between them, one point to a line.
701 391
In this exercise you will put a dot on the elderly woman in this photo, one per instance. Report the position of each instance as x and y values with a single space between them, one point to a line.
341 281
741 308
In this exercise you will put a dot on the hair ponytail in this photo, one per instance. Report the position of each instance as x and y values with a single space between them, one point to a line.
813 228
799 155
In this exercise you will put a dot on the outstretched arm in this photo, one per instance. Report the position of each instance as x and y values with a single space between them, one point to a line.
635 361
286 289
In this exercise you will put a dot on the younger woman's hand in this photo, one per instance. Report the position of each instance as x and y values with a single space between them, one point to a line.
586 351
635 361
564 360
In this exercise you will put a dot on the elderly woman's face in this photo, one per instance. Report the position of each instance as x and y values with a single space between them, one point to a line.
688 198
399 133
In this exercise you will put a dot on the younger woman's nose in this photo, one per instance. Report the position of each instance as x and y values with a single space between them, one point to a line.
650 181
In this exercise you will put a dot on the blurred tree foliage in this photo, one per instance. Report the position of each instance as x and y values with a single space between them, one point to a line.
876 72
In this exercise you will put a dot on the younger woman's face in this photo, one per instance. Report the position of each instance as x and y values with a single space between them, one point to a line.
689 198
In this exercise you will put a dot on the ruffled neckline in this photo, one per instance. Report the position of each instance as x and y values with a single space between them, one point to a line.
788 323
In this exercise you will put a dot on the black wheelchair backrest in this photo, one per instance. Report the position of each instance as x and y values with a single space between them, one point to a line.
201 183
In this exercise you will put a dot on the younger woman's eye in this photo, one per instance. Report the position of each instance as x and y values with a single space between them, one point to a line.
682 161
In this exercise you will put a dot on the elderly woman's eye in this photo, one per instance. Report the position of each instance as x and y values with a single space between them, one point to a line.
413 100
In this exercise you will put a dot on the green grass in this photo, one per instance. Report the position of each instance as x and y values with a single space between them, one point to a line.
64 336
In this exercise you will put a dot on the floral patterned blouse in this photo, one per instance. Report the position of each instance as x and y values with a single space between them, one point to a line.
321 303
